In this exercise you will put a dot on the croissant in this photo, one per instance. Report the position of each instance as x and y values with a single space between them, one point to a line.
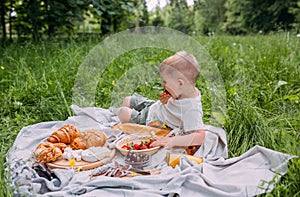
88 139
65 134
48 152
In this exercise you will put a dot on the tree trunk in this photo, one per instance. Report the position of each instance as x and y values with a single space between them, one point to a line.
10 20
137 20
33 18
48 8
2 7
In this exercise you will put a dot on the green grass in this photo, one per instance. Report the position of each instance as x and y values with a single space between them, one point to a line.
36 82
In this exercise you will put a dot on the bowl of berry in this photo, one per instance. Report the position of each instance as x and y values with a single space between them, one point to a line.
137 144
137 160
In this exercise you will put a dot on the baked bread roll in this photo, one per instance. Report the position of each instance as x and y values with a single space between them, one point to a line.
78 144
65 134
48 152
130 128
89 138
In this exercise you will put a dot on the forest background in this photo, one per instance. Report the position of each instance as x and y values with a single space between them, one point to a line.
39 18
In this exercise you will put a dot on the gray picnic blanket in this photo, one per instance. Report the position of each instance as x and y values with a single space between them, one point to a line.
252 173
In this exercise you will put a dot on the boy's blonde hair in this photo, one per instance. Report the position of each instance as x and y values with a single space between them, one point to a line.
183 62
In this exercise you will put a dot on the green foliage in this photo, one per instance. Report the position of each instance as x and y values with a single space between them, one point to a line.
295 10
261 76
47 17
235 16
157 18
253 16
3 11
59 15
179 16
113 16
209 15
141 13
37 19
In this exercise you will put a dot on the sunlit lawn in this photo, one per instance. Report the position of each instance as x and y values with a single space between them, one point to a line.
261 75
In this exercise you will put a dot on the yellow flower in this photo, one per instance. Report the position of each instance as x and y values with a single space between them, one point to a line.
72 162
113 83
132 174
2 67
164 126
270 83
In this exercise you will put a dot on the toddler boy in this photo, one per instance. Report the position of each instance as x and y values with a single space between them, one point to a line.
179 106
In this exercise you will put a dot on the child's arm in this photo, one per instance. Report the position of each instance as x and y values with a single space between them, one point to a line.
193 139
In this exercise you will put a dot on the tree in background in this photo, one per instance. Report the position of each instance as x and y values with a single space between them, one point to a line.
113 15
6 17
141 13
157 18
235 16
179 16
209 15
3 10
295 11
272 15
37 18
61 15
249 16
29 18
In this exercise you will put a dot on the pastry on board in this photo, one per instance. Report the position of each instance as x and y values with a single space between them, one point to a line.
65 134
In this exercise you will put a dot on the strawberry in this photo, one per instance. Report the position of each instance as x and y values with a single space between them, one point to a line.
144 147
167 92
149 144
136 147
125 147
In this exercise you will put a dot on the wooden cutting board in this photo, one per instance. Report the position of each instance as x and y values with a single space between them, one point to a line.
131 128
82 165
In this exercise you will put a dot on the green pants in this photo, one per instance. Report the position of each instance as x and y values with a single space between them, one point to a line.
140 107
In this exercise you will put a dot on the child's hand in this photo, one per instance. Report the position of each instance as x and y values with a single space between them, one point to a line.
161 141
164 97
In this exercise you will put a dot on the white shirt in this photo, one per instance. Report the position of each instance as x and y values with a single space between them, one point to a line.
185 114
